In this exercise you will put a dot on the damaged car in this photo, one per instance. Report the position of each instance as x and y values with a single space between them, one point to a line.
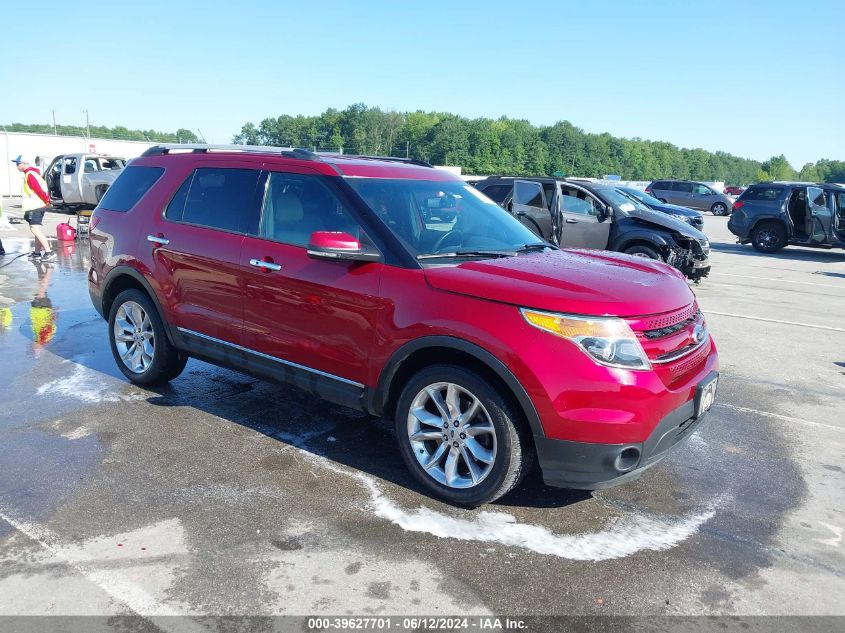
574 213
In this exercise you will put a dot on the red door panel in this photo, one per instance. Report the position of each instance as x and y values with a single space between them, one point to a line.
313 313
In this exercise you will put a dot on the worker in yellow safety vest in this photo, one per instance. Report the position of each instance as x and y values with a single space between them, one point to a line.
34 205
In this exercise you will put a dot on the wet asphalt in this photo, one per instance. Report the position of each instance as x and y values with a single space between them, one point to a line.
224 495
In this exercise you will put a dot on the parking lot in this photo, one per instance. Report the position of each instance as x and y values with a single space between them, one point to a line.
225 495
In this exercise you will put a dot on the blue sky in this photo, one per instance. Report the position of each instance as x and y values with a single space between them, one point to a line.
752 78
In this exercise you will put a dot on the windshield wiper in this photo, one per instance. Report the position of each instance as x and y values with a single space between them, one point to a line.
534 246
467 254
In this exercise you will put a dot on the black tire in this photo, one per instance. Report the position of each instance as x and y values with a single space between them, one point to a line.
642 250
513 452
166 361
719 208
768 237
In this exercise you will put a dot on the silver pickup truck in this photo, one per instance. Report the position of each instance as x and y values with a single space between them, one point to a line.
80 180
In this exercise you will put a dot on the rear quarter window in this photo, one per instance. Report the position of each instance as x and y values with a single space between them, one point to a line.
497 193
130 187
762 193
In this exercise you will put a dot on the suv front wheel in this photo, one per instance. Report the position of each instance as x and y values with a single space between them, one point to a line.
768 237
459 437
139 343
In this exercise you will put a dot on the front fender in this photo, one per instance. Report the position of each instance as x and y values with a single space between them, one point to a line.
658 239
377 398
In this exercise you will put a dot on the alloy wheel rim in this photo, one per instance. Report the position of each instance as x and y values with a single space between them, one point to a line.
451 435
134 337
767 238
720 209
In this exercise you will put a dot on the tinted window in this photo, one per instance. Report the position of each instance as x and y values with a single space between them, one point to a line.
132 183
577 201
762 193
817 196
839 203
660 184
70 165
497 193
684 187
296 205
220 198
176 207
528 193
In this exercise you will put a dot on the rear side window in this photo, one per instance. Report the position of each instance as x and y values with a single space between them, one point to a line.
130 186
762 193
217 198
497 193
528 193
684 187
660 184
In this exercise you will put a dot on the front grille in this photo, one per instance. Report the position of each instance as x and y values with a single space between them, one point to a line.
671 329
666 320
690 362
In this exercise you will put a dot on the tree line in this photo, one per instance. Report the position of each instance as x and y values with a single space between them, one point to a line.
485 146
516 147
121 133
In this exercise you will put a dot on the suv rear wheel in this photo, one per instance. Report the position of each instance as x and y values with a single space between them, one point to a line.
459 437
719 208
768 237
139 343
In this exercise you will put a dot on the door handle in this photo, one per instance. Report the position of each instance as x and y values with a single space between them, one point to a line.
259 263
158 239
571 221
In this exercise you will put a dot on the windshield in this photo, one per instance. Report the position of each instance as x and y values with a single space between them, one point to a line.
623 201
433 218
642 196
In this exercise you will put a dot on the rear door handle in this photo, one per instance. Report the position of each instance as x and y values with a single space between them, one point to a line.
158 239
259 263
571 221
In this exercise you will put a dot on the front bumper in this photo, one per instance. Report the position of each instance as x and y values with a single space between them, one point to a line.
592 466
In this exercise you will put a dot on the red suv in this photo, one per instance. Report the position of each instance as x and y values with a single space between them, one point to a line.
340 275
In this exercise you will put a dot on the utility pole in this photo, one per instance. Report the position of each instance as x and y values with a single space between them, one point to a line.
407 149
55 132
87 125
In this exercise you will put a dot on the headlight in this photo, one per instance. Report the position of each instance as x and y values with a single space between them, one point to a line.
607 340
682 218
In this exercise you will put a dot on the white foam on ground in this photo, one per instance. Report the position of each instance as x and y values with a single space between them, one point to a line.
629 535
82 384
85 385
77 433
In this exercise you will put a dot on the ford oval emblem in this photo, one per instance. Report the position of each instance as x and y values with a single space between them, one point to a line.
699 333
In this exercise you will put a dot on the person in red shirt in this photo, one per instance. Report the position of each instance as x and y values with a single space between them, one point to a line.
35 202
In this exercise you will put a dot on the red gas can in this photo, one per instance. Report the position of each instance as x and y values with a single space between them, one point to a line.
65 232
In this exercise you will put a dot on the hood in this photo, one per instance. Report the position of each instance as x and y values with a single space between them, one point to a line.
666 222
571 281
677 209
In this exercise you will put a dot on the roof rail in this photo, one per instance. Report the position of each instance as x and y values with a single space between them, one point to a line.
393 159
290 152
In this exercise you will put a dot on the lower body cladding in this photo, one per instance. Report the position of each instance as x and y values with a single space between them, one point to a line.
592 466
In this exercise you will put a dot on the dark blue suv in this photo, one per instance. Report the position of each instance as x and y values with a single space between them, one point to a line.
773 214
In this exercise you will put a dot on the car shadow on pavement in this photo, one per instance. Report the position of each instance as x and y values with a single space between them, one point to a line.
344 436
822 256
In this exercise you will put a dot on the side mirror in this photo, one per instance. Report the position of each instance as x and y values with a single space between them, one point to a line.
336 245
604 213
